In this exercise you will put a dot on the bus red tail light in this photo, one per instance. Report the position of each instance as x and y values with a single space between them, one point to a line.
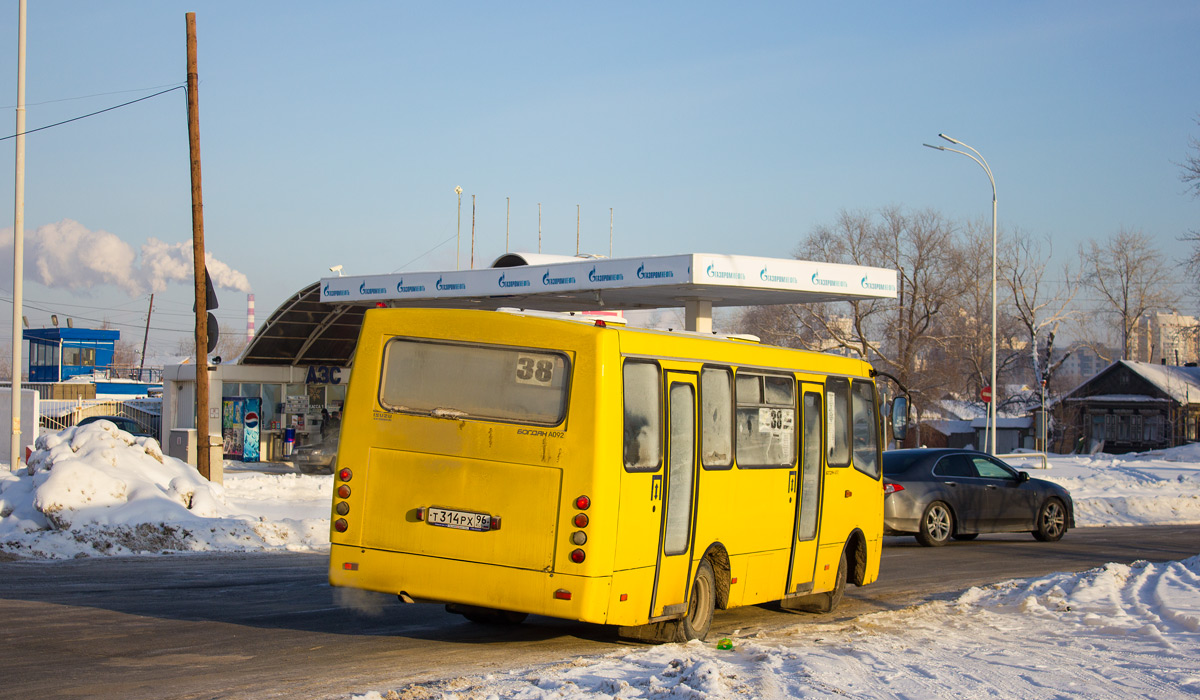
562 594
581 520
583 503
340 525
345 474
578 556
343 491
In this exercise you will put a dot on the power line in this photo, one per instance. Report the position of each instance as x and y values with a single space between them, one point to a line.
85 116
98 94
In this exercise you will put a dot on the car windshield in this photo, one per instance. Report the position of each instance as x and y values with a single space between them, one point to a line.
899 462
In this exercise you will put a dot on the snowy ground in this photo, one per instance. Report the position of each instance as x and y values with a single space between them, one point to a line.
1114 632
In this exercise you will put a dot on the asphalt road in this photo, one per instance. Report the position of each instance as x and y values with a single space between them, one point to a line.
268 625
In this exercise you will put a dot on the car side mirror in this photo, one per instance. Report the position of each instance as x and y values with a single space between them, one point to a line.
1022 477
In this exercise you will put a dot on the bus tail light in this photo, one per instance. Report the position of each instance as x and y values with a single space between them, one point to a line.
340 525
579 537
889 489
583 503
577 556
495 523
581 520
345 474
420 514
343 491
562 594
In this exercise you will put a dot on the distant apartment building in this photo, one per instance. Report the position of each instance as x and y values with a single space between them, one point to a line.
1165 338
1084 361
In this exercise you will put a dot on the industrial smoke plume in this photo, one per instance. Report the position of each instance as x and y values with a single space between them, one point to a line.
69 255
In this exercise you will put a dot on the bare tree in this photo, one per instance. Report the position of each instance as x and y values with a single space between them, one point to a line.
1040 307
1131 277
1191 177
899 336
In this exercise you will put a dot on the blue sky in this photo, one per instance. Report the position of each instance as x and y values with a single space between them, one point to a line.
335 133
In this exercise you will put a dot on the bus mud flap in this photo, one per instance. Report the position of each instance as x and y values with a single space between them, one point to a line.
658 632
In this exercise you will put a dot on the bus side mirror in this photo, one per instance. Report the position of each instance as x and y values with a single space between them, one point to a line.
899 418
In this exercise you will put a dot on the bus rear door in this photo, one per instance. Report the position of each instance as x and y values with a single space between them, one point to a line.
672 574
807 487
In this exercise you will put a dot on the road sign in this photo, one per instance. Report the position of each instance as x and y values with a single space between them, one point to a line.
986 394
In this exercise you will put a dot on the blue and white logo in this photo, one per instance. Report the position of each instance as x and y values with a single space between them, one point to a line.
877 286
365 290
782 279
653 274
713 272
401 289
506 284
549 281
827 282
336 292
448 286
593 277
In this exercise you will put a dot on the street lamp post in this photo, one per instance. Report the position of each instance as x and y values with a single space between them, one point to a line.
978 158
458 240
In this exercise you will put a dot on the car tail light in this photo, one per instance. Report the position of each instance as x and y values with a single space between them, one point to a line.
889 489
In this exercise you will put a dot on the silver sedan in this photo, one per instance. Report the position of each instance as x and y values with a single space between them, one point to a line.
939 494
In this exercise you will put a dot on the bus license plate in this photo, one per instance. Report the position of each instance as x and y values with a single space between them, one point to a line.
458 519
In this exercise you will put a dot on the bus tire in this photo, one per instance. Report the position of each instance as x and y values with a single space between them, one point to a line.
701 603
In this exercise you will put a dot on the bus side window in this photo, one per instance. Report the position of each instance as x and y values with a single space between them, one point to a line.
866 427
643 425
766 420
837 421
716 418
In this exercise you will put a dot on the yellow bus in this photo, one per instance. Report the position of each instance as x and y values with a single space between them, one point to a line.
506 463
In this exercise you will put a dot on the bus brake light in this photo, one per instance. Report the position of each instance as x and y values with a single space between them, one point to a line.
583 503
578 556
562 594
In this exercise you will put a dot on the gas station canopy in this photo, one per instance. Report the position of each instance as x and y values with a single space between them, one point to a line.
319 325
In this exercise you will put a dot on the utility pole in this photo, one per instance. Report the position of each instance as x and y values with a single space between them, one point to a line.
14 454
472 232
193 107
146 339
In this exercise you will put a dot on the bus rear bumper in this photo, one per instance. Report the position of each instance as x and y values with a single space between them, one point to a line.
470 583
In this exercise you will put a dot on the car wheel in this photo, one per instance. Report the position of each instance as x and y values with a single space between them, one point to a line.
701 604
965 536
937 524
1051 521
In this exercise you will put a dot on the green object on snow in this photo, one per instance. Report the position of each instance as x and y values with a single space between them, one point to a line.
725 644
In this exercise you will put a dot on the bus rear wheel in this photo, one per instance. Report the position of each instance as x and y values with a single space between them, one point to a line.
701 603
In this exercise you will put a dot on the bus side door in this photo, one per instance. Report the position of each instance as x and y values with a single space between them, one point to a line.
672 575
807 487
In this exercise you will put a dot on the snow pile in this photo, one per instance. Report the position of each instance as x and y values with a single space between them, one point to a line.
1116 631
96 489
1160 487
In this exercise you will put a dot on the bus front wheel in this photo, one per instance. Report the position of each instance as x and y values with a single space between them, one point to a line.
701 604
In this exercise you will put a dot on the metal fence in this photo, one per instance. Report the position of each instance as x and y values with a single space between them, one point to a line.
59 414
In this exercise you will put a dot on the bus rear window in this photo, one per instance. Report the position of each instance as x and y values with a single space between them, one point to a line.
475 381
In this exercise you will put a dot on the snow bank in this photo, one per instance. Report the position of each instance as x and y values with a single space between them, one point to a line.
96 489
1112 632
1160 487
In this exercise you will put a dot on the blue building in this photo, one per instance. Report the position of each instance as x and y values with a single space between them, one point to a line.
57 354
